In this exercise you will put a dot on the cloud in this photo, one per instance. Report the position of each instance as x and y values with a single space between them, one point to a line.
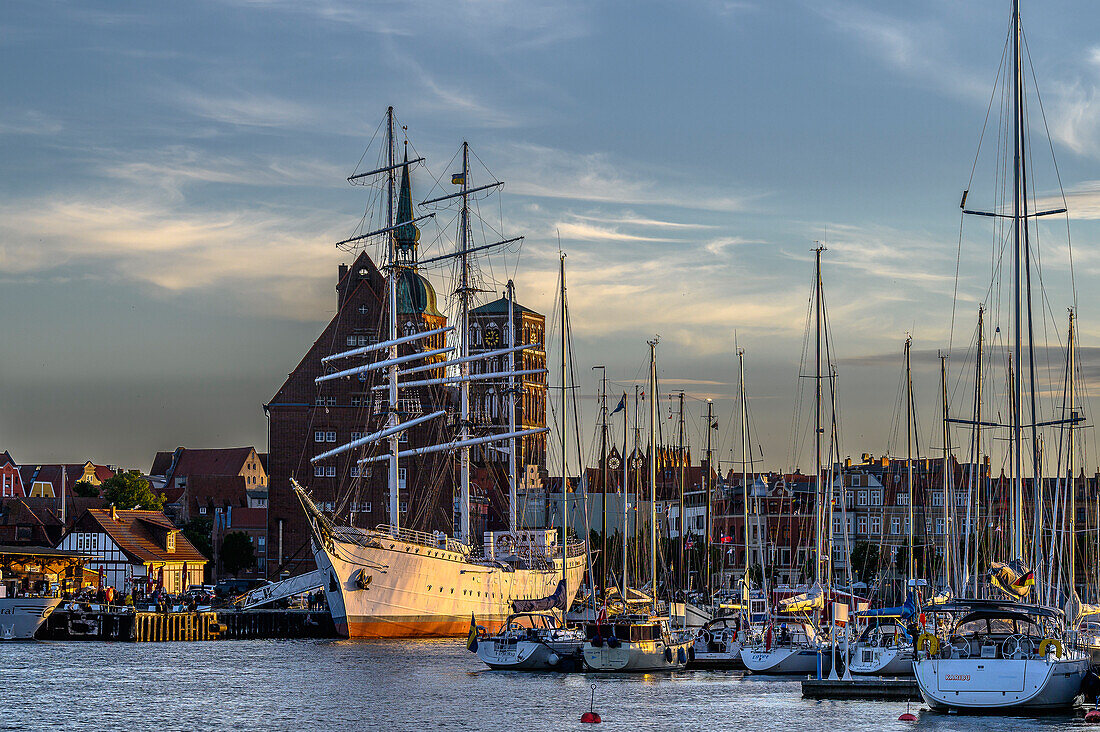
266 260
245 109
594 177
581 231
27 122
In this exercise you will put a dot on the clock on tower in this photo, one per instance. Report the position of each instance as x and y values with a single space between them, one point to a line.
492 337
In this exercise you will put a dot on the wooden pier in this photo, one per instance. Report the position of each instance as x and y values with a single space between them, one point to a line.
117 624
867 688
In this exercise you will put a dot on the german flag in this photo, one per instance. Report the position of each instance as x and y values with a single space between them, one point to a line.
458 178
471 639
1028 580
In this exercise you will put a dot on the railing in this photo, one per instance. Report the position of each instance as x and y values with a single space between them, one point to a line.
422 538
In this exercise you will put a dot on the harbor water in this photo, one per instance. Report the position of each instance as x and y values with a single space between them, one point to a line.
402 685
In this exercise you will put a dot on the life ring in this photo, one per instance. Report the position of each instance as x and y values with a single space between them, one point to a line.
932 641
668 655
708 636
681 655
1047 643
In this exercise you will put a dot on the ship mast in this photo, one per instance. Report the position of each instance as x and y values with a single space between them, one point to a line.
683 524
392 419
564 433
513 521
909 456
707 488
653 470
1018 243
948 479
820 508
744 466
464 340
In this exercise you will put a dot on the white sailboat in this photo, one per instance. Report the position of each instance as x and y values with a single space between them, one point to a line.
986 655
391 581
641 642
792 643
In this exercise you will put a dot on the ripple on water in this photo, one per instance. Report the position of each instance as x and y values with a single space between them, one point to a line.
400 685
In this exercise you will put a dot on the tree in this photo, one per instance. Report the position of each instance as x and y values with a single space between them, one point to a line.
197 532
866 560
237 553
85 489
130 490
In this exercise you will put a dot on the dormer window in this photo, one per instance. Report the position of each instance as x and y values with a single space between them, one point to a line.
170 542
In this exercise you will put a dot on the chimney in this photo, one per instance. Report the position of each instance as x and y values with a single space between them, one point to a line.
114 513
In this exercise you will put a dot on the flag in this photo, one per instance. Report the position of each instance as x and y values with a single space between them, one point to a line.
458 178
471 639
1027 580
622 405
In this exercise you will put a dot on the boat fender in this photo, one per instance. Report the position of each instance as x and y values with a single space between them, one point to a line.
597 641
931 641
1047 643
668 654
681 656
691 653
553 659
613 642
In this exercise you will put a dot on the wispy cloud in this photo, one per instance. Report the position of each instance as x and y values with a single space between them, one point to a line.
595 177
27 122
245 109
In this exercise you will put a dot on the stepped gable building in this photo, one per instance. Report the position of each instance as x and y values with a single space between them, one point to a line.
306 419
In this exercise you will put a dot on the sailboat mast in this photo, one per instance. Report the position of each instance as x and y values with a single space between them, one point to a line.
707 487
513 500
392 420
603 477
564 433
464 388
745 462
1017 234
977 527
909 455
653 470
626 489
683 573
820 507
948 482
1072 511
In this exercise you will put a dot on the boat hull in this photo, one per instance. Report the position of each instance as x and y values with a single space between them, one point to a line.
786 661
21 617
999 685
398 589
636 657
880 661
525 655
725 655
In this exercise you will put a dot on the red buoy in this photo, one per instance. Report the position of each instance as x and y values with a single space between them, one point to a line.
907 717
1092 716
591 717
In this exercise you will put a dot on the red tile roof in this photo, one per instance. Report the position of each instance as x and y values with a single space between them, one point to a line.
214 461
140 534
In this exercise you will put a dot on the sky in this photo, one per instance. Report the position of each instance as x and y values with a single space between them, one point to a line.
174 184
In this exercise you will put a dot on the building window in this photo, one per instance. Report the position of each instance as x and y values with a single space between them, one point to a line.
895 526
404 507
355 471
318 471
939 525
863 498
960 499
356 436
351 340
862 525
202 510
850 498
836 524
363 310
876 525
358 401
937 498
366 507
330 471
261 540
876 497
927 526
319 436
330 436
903 499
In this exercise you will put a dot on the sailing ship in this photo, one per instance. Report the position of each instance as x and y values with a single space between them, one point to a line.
996 655
393 581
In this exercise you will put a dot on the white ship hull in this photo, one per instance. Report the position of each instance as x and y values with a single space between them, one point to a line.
21 617
636 656
392 588
798 660
727 655
526 655
879 661
1000 684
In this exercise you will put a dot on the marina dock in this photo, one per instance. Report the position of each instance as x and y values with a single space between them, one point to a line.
867 689
115 624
